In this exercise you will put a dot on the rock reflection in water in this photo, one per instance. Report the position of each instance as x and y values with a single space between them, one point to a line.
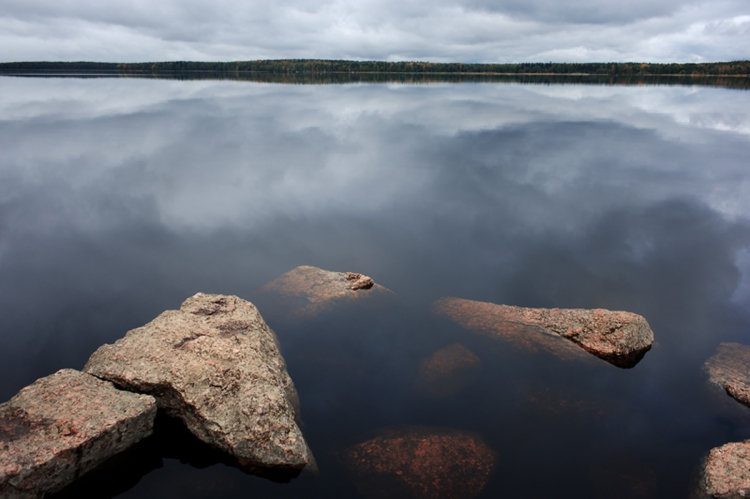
307 291
447 371
420 462
171 440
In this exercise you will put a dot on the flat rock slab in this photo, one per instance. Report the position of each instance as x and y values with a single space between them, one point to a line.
620 338
62 426
726 473
216 365
447 371
307 291
729 369
420 462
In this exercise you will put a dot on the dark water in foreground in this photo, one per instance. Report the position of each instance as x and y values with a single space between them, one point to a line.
120 198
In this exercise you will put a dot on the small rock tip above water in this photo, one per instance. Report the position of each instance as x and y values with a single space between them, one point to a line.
307 291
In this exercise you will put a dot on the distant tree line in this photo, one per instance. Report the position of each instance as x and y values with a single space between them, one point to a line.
322 67
425 78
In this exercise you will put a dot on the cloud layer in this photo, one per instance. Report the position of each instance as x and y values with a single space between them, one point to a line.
441 30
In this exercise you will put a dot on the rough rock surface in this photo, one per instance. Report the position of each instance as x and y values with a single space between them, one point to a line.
726 473
447 371
309 291
729 369
420 462
620 338
216 365
62 426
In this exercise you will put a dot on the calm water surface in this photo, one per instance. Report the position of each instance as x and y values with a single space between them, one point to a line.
119 198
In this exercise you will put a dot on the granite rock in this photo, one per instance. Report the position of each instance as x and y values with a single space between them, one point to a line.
64 425
307 291
216 365
620 338
726 472
420 462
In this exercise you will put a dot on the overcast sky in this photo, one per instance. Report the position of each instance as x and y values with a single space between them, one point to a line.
438 30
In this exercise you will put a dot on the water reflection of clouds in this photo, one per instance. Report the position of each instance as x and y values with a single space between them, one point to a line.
314 147
543 188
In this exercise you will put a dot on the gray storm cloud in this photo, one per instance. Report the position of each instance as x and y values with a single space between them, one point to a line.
441 30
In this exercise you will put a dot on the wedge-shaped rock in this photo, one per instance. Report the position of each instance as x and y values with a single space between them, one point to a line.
307 291
729 369
62 426
216 365
726 472
421 463
620 338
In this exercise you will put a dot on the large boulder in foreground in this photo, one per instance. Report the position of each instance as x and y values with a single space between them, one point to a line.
420 462
64 425
216 365
729 369
307 291
726 472
620 338
447 371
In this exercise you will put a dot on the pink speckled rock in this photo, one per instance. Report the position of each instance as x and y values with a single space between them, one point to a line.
62 426
307 291
729 369
620 338
420 463
216 365
726 474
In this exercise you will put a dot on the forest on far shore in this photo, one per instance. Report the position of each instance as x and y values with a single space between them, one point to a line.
312 66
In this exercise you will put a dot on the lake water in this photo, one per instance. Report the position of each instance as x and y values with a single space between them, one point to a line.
119 198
